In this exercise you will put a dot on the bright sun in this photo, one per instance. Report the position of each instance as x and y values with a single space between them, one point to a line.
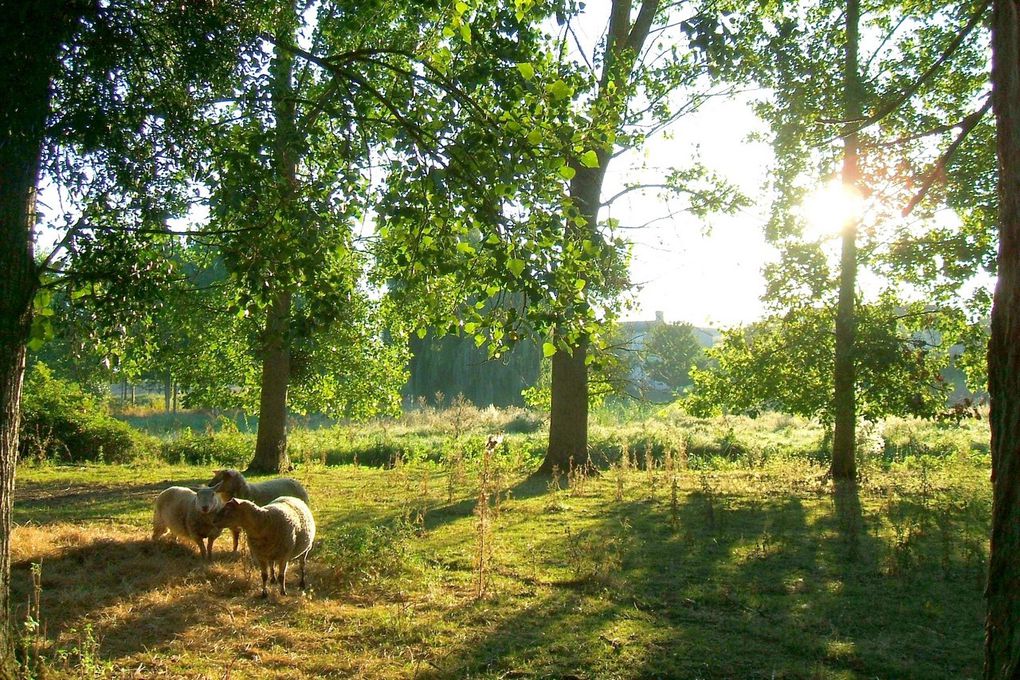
828 208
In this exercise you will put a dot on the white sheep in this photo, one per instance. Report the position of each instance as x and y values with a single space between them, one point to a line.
277 533
188 513
232 484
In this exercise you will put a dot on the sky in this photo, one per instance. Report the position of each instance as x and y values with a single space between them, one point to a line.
707 273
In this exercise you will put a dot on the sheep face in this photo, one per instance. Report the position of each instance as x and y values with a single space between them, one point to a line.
227 482
206 499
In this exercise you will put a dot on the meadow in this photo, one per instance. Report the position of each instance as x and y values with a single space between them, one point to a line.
689 549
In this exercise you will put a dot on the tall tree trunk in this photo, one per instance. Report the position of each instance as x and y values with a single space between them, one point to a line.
844 368
1002 623
271 443
568 418
31 34
167 393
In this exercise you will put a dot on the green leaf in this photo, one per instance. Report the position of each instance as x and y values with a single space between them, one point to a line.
422 333
559 89
579 284
534 137
516 267
527 70
589 159
548 349
567 172
465 33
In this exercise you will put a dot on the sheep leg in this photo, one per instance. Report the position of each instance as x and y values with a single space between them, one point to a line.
237 534
211 539
303 555
282 569
265 579
158 530
201 547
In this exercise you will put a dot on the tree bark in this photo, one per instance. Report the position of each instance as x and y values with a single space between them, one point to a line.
844 366
1002 592
271 442
568 418
32 34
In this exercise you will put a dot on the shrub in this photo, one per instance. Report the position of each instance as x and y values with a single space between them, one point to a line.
227 447
61 421
361 555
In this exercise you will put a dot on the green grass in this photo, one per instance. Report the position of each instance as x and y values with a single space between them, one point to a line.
758 567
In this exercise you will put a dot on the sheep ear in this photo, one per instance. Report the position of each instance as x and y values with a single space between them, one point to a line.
217 485
232 503
229 473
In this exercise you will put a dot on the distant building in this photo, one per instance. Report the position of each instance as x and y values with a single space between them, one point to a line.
451 366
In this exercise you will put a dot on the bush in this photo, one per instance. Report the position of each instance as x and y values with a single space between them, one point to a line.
61 421
363 555
227 447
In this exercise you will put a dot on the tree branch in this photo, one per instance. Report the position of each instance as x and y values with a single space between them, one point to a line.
968 124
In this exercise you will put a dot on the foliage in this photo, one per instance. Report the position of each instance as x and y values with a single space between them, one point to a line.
223 447
360 555
62 422
784 363
670 352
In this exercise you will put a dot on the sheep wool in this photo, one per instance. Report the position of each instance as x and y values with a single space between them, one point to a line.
277 533
188 513
232 484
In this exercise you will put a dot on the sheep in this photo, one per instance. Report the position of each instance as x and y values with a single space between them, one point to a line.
277 533
188 513
232 484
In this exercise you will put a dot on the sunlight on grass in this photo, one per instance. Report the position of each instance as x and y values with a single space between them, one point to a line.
750 563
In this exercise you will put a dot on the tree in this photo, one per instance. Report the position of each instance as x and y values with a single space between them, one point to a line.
784 364
877 118
670 352
103 86
629 103
372 91
1002 649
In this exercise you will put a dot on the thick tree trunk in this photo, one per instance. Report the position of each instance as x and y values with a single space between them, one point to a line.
1002 624
31 34
271 443
568 419
844 366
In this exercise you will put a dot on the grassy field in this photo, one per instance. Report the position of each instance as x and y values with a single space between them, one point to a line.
741 562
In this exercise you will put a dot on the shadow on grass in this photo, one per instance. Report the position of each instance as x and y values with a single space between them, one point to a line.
738 586
536 484
100 573
41 503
